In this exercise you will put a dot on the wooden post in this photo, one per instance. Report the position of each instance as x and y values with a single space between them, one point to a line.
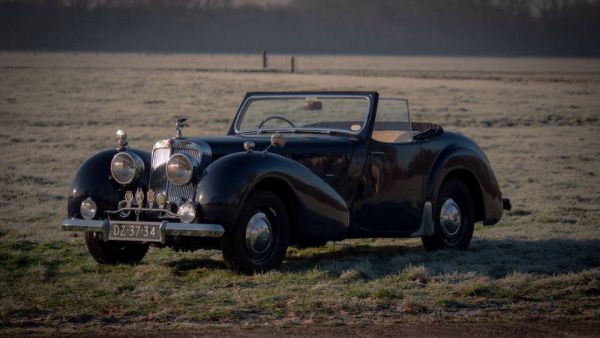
264 59
293 64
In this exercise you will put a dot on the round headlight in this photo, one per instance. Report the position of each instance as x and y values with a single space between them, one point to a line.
88 208
180 169
186 212
125 167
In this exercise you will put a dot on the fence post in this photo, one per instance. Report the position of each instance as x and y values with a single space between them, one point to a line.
293 64
264 59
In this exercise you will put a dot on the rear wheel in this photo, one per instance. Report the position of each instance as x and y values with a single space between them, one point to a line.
260 238
114 252
453 218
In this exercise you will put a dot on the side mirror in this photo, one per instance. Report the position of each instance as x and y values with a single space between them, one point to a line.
278 140
249 146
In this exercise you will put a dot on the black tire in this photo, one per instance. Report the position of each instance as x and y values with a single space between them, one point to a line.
457 238
114 252
238 255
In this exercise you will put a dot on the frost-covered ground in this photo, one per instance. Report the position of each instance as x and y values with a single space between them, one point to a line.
537 119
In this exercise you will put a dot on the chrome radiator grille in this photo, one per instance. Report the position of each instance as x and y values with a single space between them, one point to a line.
158 176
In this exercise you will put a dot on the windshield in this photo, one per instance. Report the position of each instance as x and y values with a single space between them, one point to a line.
347 114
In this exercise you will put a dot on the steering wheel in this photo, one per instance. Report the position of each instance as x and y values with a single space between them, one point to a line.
275 117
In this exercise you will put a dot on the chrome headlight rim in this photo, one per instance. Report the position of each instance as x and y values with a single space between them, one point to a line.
187 212
138 167
88 209
184 178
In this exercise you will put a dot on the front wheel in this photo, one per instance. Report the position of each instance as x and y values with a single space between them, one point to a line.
114 252
453 218
260 238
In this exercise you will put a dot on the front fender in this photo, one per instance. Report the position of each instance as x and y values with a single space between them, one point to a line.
469 159
227 183
94 180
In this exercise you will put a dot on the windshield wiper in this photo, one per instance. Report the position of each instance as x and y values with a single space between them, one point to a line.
323 131
257 131
265 131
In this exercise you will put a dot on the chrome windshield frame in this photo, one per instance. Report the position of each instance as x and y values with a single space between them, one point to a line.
272 96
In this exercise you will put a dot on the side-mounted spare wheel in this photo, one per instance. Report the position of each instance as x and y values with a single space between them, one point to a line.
114 252
260 238
453 217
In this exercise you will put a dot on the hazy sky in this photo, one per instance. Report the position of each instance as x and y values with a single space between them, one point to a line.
426 27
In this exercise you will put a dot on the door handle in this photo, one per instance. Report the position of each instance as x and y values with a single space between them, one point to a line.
377 153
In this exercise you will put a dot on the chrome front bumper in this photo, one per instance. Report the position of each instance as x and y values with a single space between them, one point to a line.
166 228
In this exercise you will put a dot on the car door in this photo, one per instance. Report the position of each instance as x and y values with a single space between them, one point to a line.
389 199
328 157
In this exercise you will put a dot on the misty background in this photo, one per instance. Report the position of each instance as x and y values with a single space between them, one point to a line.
399 27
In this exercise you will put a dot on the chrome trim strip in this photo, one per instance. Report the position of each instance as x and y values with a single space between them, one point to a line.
173 229
168 212
76 224
194 229
179 143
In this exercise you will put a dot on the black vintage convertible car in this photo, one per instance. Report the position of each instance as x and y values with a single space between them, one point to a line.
295 168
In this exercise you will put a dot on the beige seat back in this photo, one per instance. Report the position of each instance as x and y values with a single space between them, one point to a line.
391 136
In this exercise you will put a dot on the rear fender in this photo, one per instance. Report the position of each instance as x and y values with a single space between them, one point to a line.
228 182
466 159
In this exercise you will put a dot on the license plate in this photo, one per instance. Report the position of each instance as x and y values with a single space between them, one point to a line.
133 231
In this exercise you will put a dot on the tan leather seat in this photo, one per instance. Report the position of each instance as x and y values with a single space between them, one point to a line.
391 136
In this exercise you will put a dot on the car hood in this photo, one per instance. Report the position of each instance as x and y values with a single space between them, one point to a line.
296 145
327 156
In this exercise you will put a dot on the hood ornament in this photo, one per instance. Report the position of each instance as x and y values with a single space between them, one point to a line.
180 125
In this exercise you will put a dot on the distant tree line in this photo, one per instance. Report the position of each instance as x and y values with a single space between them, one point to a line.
410 27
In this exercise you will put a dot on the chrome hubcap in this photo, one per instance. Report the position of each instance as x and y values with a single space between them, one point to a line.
450 217
258 233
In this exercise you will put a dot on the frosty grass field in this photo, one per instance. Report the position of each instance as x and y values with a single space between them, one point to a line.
538 120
